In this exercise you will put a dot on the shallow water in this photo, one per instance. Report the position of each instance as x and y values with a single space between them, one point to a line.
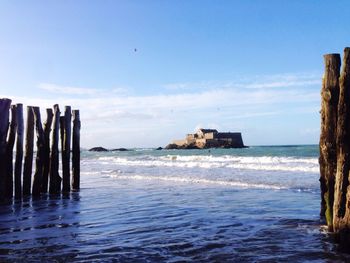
147 206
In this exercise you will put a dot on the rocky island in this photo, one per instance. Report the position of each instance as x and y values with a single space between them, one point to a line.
209 138
101 149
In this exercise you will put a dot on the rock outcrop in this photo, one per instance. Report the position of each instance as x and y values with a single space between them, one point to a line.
173 146
98 149
120 150
101 149
209 138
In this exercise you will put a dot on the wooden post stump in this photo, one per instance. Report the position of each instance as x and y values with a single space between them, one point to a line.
328 151
40 143
76 151
62 123
28 157
47 160
341 208
46 157
66 148
4 125
9 153
55 180
19 152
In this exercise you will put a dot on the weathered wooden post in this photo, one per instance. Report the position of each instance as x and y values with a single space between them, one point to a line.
9 153
341 208
40 143
76 151
66 147
328 151
4 124
46 157
19 152
28 157
62 123
55 180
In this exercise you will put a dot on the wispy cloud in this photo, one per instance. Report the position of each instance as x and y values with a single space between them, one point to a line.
112 115
72 90
112 118
257 114
283 84
67 90
252 82
283 81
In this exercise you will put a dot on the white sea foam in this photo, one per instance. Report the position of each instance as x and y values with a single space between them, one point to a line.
198 181
265 172
265 163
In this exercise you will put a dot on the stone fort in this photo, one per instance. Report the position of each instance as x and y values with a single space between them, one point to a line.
210 138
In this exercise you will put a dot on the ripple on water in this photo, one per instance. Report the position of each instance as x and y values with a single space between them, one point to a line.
133 222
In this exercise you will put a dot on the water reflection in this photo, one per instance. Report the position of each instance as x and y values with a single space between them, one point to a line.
127 221
41 226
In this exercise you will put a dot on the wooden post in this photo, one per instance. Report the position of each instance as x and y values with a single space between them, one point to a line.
19 152
76 151
9 153
62 123
341 217
328 151
55 179
66 145
4 124
28 157
46 157
40 143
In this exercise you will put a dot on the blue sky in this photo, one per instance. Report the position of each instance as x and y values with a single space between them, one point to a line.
249 66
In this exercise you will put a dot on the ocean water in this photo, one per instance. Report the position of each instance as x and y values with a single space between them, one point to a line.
259 204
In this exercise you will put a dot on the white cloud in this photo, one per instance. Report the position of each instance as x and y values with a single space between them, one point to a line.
256 114
67 90
280 84
252 82
178 86
114 120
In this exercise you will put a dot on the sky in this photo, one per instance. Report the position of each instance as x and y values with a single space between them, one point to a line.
143 73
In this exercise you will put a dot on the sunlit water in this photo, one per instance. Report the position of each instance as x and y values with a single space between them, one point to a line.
241 205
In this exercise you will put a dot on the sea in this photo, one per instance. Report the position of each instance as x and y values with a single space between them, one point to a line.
258 204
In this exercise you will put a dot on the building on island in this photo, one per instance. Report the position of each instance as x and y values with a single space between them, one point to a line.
209 138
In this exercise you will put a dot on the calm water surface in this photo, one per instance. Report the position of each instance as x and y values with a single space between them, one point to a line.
253 205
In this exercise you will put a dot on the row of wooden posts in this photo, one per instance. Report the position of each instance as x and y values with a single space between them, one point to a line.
46 177
335 147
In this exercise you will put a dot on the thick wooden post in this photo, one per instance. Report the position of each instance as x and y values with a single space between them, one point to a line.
40 144
46 157
76 151
28 157
9 153
62 123
66 146
341 219
19 152
55 180
328 151
4 124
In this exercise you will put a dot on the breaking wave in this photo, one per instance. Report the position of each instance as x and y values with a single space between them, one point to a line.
258 172
199 181
265 163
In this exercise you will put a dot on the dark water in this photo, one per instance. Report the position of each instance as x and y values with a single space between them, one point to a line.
123 219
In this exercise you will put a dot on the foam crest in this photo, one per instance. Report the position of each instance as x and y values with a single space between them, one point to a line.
198 181
265 163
